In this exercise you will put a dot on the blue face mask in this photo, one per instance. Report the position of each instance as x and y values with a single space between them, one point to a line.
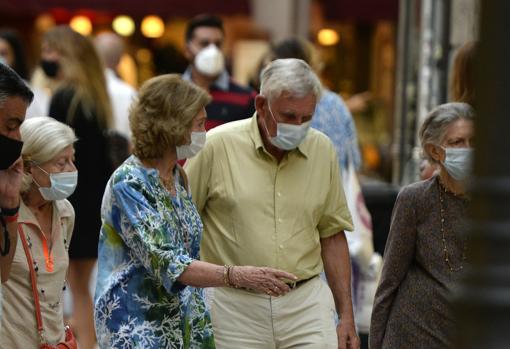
288 136
458 162
62 185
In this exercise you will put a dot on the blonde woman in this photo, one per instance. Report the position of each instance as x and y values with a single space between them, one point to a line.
46 220
148 290
82 102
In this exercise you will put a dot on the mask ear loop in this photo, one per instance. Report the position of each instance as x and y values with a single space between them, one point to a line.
46 172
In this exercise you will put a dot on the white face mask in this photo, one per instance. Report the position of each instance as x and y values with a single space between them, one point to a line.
189 150
458 162
62 185
288 136
210 61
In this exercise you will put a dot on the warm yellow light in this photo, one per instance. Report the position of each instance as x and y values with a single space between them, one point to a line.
44 22
123 25
328 37
81 24
153 27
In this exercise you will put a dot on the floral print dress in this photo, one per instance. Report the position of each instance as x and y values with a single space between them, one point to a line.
148 238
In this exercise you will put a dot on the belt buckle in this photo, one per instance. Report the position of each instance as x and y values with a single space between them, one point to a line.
292 285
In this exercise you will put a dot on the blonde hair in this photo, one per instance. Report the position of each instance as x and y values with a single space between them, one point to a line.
43 138
162 114
83 72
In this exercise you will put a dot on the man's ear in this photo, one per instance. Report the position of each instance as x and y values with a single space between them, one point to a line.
187 51
260 101
434 152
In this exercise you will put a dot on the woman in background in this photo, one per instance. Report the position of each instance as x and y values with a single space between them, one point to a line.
82 102
425 252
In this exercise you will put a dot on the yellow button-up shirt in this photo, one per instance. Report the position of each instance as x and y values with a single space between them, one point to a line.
259 212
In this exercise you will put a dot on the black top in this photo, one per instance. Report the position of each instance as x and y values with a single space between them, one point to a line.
93 172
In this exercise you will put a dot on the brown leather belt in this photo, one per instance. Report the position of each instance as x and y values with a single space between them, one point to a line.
296 284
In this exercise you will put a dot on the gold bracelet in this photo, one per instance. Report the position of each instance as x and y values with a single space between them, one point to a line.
226 269
230 269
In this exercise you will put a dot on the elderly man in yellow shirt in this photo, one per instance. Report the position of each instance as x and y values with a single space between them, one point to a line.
269 193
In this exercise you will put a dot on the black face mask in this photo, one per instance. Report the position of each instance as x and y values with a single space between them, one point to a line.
50 68
10 151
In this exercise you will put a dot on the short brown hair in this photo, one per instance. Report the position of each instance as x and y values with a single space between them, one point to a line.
162 114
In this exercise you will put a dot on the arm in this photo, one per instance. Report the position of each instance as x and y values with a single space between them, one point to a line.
10 186
142 224
398 256
337 265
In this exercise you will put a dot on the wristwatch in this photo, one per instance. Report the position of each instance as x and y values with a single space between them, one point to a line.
9 212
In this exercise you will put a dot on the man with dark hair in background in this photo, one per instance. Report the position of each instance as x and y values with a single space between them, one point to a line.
230 101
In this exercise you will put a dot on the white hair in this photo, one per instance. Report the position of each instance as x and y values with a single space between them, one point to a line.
43 138
289 75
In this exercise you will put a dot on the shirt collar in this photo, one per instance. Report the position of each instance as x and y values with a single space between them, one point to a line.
221 82
60 210
109 73
303 148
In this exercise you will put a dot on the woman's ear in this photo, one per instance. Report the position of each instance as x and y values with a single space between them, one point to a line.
435 152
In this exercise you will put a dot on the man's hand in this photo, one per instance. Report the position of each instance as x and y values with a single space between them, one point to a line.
10 185
347 336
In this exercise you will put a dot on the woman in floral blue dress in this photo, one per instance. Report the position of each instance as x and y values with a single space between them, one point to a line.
148 291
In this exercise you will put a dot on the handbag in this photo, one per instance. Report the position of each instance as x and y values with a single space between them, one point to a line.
70 340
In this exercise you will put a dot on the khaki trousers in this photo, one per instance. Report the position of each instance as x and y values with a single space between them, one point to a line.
303 318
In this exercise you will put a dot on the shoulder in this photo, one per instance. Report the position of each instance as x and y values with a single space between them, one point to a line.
233 86
64 93
419 191
230 130
317 138
65 207
119 87
131 171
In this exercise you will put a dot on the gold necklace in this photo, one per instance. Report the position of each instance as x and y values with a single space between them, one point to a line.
168 183
443 234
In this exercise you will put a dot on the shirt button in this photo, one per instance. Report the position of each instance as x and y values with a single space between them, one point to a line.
281 247
279 220
279 194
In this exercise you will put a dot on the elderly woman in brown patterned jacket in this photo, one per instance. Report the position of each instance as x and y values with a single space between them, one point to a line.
425 252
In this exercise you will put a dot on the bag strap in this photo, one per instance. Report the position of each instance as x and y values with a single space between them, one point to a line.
33 279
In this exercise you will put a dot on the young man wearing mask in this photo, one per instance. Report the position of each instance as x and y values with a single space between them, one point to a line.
230 101
15 97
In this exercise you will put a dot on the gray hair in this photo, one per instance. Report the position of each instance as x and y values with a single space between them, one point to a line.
289 75
437 122
43 138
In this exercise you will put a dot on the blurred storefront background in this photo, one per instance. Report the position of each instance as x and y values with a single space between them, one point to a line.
393 56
